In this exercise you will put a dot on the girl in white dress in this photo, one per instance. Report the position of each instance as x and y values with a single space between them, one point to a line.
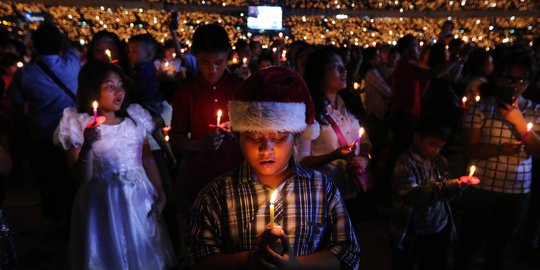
116 214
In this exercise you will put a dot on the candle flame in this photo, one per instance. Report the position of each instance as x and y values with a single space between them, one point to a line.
166 64
235 60
356 86
529 126
95 105
219 113
464 99
108 52
273 197
244 60
174 55
477 98
166 138
472 170
360 132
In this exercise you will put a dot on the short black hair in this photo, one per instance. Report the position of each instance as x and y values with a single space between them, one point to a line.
434 125
210 38
48 40
404 43
147 40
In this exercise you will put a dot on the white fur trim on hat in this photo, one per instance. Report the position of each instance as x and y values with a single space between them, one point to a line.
267 116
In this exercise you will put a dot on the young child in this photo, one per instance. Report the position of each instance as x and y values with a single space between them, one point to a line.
423 224
207 153
115 221
141 53
230 216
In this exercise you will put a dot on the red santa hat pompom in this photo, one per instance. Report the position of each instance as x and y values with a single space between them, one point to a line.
274 99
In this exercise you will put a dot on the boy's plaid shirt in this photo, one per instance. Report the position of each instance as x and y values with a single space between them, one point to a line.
232 211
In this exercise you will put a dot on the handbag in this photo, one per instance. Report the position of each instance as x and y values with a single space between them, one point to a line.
360 179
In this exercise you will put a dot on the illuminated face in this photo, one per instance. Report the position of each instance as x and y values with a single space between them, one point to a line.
335 75
101 45
112 93
428 146
212 65
268 153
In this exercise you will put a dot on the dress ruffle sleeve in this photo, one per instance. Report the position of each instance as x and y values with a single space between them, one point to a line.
141 117
69 132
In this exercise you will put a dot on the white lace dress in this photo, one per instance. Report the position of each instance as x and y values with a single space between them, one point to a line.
110 227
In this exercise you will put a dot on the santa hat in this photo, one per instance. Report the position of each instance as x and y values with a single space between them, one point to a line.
274 99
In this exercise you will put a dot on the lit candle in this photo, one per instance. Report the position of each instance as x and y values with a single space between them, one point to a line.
166 138
356 86
272 200
529 128
235 60
244 62
471 172
95 105
108 53
477 98
219 113
360 133
174 55
464 102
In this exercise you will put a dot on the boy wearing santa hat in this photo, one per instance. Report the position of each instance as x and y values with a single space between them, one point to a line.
230 224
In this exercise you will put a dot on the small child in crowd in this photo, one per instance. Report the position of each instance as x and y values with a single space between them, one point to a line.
422 225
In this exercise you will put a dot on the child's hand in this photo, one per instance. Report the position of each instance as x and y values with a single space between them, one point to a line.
212 141
157 206
510 148
344 152
91 135
357 162
285 260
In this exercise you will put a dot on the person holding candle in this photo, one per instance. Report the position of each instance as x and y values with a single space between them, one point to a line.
207 153
334 152
116 213
421 223
103 41
493 131
231 216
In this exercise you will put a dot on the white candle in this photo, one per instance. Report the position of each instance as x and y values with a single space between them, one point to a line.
108 53
477 98
471 171
464 102
95 105
272 200
219 113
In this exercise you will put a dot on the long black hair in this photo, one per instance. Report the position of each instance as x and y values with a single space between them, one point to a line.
90 79
314 77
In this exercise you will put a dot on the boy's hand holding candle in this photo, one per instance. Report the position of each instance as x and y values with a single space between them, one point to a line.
529 128
470 179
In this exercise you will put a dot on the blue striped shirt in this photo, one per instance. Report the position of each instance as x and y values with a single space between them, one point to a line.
233 210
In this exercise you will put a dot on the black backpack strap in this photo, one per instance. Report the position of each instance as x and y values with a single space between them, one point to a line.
53 76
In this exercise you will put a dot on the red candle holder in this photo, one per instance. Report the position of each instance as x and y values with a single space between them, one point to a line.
95 123
471 180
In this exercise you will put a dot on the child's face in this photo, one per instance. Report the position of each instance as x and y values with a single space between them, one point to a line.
138 53
267 153
212 65
112 93
427 146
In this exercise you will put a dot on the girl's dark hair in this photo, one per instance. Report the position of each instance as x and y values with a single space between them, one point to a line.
368 54
314 77
123 61
90 79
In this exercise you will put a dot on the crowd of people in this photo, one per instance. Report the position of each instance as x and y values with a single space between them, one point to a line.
141 148
80 23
